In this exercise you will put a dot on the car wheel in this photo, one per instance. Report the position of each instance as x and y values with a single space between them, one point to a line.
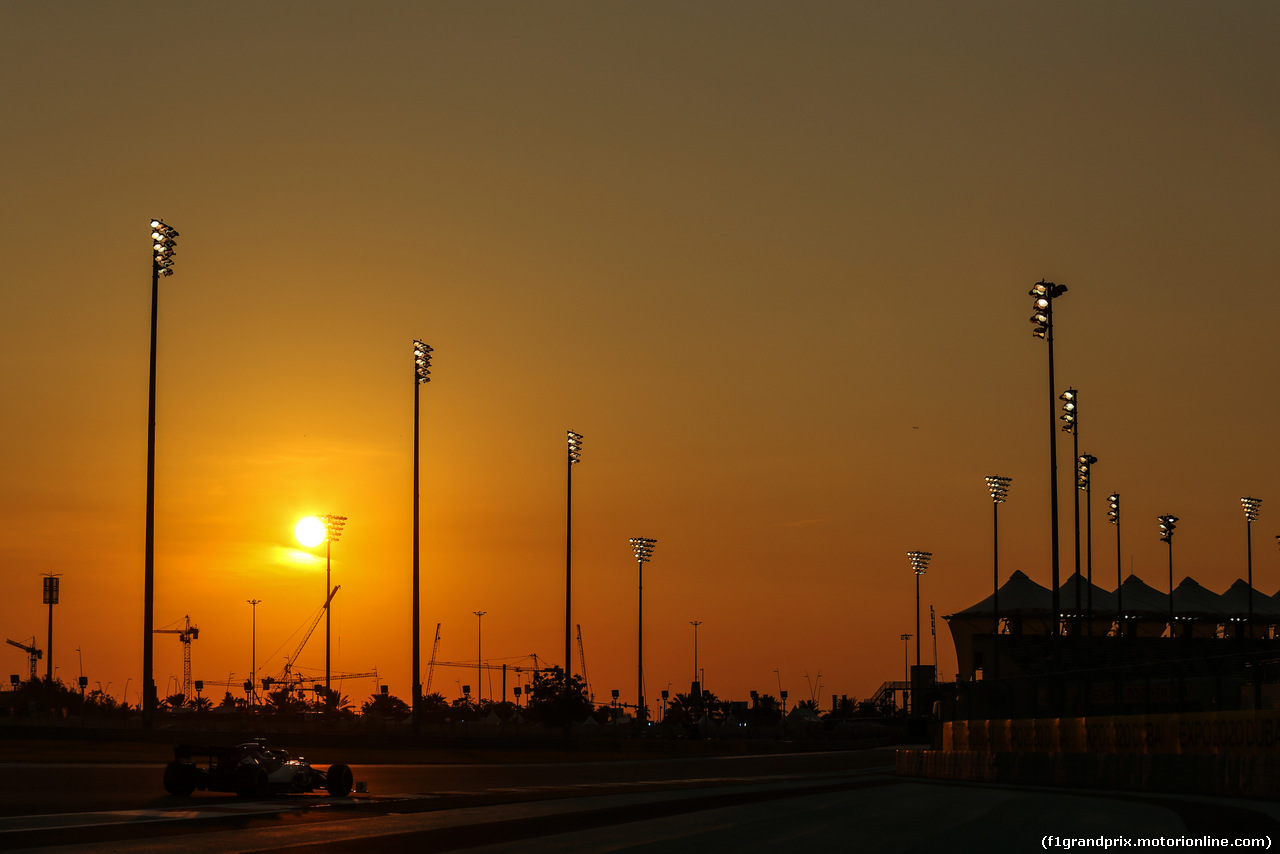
339 780
179 779
252 782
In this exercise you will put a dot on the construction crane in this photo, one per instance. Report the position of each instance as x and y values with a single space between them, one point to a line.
33 654
287 676
431 665
582 656
186 634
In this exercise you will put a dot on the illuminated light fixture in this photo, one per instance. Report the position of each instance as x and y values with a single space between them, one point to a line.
1042 306
333 526
1068 416
999 487
165 244
422 361
1251 507
1084 463
642 548
575 447
1113 508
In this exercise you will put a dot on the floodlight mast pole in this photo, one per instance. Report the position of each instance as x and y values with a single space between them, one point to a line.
574 456
1070 411
998 485
333 525
1113 516
421 374
164 244
642 547
1045 293
1167 525
1251 507
919 563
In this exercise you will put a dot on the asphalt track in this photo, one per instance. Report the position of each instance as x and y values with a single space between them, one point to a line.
842 800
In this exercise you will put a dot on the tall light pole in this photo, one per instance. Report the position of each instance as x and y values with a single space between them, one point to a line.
1070 412
574 456
1251 507
479 655
421 375
642 548
999 488
1113 516
1042 320
253 645
906 666
164 245
332 531
1167 524
50 591
696 681
919 563
1084 468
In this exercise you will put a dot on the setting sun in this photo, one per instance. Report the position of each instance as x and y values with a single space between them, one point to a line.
310 531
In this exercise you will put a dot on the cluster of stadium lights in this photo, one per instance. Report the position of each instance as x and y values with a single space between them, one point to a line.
1084 463
919 561
1045 293
1113 508
1068 416
165 240
422 361
643 548
333 526
575 448
1251 507
999 487
1167 524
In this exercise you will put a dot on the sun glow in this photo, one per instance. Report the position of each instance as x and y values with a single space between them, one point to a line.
310 531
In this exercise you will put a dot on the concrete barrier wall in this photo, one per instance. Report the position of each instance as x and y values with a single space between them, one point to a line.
1247 733
1229 775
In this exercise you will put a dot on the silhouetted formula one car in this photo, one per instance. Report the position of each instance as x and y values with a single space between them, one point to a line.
251 770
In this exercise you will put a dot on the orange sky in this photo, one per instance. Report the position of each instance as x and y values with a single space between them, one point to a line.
770 259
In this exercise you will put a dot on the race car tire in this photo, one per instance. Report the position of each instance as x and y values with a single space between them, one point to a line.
252 782
179 779
339 781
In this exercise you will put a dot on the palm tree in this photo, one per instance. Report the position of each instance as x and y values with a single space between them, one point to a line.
174 701
202 704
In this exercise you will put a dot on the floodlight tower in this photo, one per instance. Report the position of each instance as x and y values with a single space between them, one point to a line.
421 376
164 240
574 456
999 487
1042 319
333 526
1084 466
1070 412
1113 516
1167 524
919 563
642 548
1251 507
